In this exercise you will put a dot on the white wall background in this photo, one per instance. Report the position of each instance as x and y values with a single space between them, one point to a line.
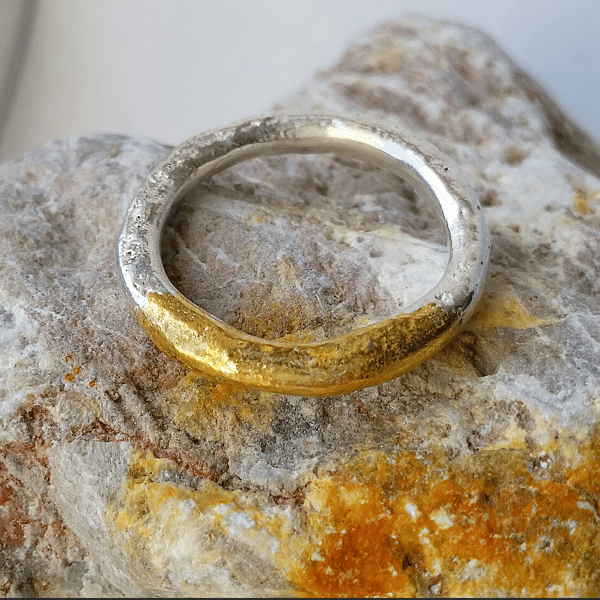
168 69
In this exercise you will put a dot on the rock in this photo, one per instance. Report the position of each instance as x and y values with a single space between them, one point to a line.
475 474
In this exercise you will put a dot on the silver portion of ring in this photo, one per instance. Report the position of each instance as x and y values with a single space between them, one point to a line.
398 151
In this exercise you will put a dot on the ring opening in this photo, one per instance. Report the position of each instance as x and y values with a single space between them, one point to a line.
304 246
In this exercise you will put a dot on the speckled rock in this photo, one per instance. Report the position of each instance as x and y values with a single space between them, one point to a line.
476 474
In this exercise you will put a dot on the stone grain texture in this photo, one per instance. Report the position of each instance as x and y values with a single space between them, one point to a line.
475 474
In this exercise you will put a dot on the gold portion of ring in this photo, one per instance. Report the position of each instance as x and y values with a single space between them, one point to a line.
366 356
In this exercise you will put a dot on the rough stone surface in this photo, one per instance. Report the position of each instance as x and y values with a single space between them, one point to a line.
476 474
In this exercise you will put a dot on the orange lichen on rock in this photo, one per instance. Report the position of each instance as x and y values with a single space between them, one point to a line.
360 550
70 377
390 524
406 527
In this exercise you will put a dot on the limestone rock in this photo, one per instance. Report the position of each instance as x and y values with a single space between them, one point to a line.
477 473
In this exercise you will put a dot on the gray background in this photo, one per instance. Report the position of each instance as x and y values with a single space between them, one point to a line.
168 69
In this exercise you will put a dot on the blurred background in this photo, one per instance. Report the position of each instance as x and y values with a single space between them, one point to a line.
168 69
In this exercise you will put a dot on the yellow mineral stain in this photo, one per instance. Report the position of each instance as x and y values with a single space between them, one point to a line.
144 498
282 318
499 306
196 404
584 199
152 519
283 312
388 61
513 437
582 204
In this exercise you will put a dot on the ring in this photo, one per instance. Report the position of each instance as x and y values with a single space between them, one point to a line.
365 356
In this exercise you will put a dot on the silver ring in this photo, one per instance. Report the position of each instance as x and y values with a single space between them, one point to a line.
365 356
